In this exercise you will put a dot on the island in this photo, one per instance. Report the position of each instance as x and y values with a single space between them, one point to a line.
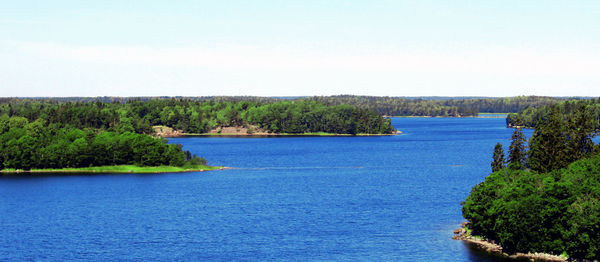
544 202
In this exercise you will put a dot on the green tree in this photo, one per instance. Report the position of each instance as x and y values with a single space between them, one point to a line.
498 158
581 128
548 145
517 150
4 124
17 122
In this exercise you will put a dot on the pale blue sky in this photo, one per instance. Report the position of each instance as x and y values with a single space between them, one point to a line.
278 48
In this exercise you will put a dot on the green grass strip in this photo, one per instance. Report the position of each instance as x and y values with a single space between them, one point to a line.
116 169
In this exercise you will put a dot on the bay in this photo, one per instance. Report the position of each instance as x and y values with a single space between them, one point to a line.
383 198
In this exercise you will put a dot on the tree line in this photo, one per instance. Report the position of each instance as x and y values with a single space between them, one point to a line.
545 197
387 106
529 117
449 107
201 116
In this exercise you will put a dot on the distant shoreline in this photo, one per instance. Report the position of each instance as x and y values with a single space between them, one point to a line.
480 115
118 169
279 134
251 131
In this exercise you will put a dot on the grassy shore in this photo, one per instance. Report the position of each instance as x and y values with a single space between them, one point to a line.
115 169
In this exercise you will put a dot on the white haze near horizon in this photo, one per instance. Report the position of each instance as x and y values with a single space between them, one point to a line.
300 48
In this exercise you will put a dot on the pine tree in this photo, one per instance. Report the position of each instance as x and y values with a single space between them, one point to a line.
581 128
548 145
498 158
516 150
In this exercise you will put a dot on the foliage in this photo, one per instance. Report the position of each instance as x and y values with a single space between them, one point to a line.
389 106
531 116
548 149
553 207
517 150
498 158
36 145
551 212
449 107
199 117
561 139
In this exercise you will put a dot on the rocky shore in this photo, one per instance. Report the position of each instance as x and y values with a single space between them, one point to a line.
493 248
250 130
163 131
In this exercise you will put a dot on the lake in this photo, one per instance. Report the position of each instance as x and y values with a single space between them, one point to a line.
381 198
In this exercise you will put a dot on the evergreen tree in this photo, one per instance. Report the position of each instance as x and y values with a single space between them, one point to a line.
516 150
548 145
581 129
498 158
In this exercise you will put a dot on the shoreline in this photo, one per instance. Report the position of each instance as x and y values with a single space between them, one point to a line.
277 134
253 131
495 249
119 169
481 115
433 116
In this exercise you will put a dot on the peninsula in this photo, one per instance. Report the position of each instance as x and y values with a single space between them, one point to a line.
546 200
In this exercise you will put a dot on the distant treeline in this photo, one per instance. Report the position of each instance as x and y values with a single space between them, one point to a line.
388 106
303 116
40 144
119 99
545 198
401 106
529 117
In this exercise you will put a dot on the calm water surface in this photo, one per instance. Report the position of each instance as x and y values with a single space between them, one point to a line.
392 198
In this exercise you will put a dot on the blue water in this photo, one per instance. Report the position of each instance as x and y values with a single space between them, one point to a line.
392 198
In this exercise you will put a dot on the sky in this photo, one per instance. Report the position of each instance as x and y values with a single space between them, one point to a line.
299 48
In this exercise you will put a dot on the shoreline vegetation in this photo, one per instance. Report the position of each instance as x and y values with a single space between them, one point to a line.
38 136
189 116
37 147
545 197
531 117
464 234
391 106
116 169
439 106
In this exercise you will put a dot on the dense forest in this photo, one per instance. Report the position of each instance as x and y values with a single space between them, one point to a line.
39 144
387 106
37 134
401 106
529 117
199 117
546 196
